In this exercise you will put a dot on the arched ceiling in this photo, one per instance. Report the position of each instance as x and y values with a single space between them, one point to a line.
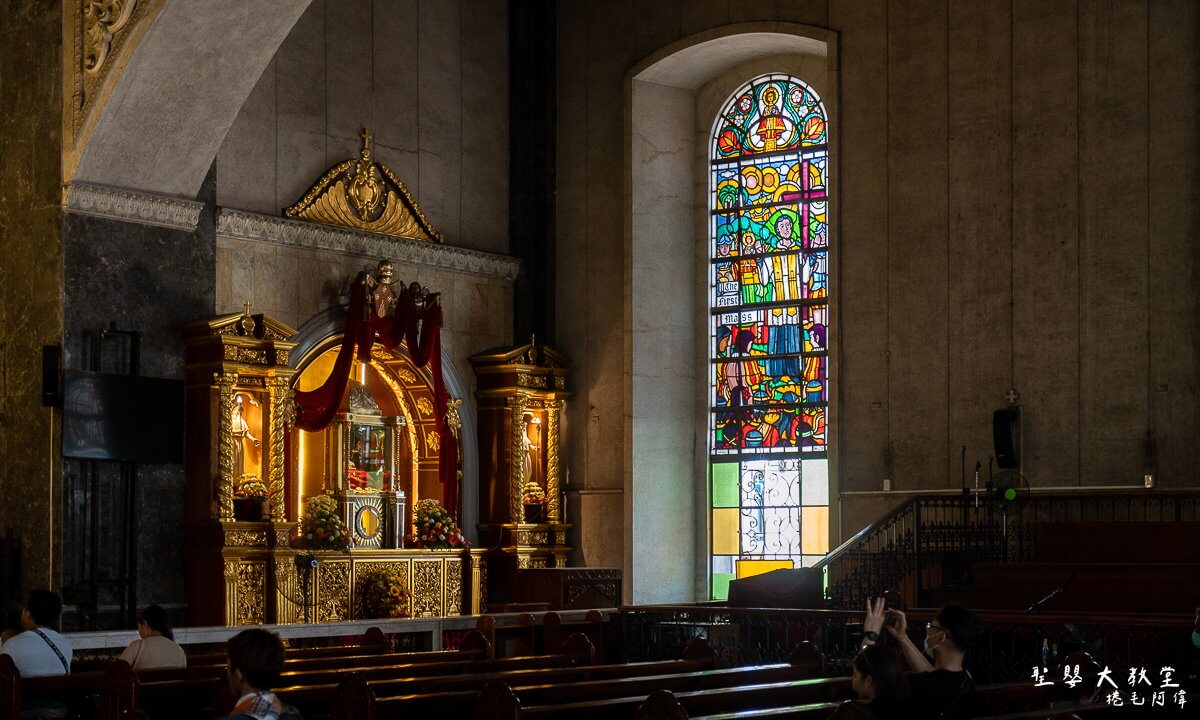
695 60
181 91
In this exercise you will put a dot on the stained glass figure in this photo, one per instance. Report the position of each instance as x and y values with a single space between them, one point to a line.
768 382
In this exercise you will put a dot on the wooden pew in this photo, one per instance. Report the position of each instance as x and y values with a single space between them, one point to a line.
359 699
372 642
110 691
555 631
318 694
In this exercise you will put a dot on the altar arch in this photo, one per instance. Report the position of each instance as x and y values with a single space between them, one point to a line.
313 338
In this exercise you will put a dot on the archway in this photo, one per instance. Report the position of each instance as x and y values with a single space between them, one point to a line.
394 379
673 96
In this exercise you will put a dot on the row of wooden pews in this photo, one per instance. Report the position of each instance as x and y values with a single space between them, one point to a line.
544 682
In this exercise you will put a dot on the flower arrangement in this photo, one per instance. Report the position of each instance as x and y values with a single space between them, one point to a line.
384 595
435 529
533 493
250 487
321 528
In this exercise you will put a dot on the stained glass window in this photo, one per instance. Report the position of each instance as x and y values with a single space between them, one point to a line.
769 376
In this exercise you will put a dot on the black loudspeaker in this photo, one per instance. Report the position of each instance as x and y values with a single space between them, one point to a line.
51 376
1006 436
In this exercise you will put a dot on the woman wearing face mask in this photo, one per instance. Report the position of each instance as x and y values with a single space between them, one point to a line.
942 688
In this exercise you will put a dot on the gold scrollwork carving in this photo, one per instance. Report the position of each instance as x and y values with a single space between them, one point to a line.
289 603
427 588
407 376
365 195
433 441
99 29
453 419
531 381
251 592
333 591
245 538
283 357
454 573
425 406
560 382
225 383
254 356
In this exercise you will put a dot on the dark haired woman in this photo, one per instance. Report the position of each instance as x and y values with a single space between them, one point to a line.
878 679
156 647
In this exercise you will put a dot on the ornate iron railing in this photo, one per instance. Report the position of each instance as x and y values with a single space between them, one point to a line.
929 540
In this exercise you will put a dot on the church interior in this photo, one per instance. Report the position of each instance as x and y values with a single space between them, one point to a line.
424 331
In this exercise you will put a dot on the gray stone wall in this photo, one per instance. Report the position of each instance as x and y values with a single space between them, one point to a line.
151 280
430 80
1018 187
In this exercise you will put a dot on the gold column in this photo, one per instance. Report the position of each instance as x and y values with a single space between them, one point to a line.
519 471
225 383
280 401
553 408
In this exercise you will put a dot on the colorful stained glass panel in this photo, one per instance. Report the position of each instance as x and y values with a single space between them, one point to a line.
770 381
769 331
749 568
725 485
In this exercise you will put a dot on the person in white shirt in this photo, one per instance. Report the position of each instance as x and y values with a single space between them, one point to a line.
156 647
40 651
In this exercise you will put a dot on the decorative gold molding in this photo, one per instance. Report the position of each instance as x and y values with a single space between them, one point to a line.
99 37
364 195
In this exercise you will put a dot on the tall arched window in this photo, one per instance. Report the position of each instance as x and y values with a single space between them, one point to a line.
769 302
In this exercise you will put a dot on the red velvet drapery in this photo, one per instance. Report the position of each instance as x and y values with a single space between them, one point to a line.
316 408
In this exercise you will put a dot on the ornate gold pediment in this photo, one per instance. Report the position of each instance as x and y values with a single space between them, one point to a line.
364 195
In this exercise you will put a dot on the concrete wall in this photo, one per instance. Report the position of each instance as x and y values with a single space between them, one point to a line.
1018 186
430 80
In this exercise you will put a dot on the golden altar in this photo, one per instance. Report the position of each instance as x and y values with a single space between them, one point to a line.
246 569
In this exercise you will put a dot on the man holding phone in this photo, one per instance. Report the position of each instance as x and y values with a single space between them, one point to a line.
942 688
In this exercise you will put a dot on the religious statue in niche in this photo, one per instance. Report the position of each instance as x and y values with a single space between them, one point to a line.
240 429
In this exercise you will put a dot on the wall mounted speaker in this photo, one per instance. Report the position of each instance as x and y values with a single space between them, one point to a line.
1006 436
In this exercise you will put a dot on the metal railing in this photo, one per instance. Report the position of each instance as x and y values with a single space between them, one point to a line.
929 541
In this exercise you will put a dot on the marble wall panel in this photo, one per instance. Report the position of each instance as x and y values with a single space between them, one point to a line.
1113 241
250 145
300 137
1174 225
485 173
698 15
979 186
861 423
430 79
151 280
1045 243
918 290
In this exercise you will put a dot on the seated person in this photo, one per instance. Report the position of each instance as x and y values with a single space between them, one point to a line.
878 679
255 663
40 651
156 647
944 688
